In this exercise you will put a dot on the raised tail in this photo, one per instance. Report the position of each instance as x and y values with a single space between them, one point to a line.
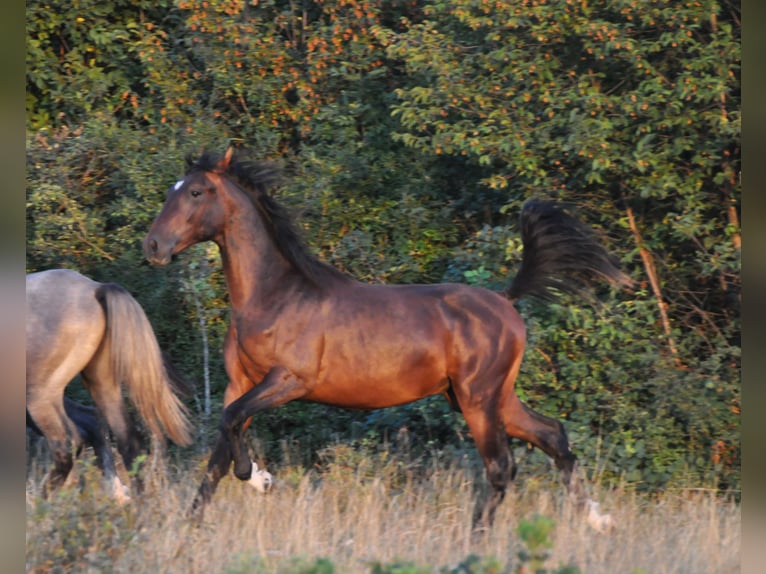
138 362
561 254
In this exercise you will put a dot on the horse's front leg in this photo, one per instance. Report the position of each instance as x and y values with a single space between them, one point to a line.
278 387
220 459
217 467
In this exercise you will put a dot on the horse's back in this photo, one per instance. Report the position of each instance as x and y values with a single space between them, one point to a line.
476 324
444 306
65 326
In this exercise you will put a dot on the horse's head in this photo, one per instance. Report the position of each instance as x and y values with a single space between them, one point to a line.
193 212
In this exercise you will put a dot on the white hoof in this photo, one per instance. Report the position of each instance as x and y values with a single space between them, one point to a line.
120 492
261 480
596 520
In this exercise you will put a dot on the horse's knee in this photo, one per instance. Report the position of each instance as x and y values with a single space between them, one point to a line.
231 421
565 461
500 471
62 466
562 453
128 446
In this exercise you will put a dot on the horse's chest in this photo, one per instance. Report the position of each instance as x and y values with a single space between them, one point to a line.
262 345
255 341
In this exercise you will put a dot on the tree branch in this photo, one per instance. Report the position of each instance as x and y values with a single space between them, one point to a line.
651 272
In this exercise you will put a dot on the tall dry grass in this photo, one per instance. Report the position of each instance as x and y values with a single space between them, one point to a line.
365 511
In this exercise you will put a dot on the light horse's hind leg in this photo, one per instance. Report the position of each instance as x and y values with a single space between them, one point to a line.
93 433
50 420
79 427
107 394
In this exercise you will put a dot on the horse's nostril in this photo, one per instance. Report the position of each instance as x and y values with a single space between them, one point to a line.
153 246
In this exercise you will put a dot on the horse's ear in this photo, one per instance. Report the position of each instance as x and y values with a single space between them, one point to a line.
223 164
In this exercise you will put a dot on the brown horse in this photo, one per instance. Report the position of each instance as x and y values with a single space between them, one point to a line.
79 326
301 329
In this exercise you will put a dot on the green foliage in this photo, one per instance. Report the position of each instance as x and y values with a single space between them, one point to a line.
82 527
296 565
398 568
536 535
412 133
83 59
473 564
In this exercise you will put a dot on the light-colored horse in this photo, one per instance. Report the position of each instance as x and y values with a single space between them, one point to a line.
78 326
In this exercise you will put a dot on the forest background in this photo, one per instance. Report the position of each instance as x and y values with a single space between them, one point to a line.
412 133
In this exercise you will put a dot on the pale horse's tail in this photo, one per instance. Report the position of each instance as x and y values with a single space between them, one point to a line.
138 363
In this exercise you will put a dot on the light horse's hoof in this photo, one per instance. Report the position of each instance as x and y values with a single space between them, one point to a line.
261 480
120 492
596 520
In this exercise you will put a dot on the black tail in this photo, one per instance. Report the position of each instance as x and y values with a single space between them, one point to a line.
561 254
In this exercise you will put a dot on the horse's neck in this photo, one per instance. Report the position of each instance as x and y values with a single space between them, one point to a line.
254 268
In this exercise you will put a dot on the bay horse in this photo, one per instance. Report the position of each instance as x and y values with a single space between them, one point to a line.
302 330
76 325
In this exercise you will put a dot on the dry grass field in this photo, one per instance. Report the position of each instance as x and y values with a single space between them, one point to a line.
367 513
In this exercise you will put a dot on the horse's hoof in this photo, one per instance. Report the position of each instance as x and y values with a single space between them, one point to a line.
195 513
244 471
120 492
261 480
596 520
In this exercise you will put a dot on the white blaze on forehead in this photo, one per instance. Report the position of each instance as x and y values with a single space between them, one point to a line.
178 184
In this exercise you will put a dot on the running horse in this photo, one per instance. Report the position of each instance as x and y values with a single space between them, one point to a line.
303 330
79 326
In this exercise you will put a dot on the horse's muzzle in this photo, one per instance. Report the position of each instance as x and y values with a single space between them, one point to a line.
152 252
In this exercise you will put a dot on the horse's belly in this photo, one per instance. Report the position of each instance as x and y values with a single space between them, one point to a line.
365 387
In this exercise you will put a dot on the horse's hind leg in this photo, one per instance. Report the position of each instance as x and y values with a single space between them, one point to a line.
545 433
93 433
492 444
107 395
49 419
548 435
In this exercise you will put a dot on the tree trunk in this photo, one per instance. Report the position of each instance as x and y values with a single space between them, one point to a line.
651 272
206 409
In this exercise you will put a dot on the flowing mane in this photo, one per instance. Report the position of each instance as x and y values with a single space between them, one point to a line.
255 178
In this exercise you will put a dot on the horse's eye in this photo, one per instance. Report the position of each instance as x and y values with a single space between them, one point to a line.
196 193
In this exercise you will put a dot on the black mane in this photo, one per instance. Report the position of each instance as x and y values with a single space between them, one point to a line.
255 178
